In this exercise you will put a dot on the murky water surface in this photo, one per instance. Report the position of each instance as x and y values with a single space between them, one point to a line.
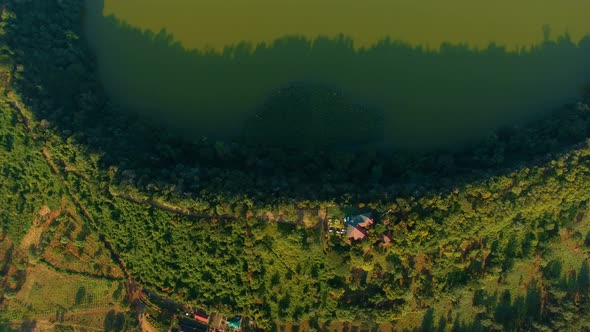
402 72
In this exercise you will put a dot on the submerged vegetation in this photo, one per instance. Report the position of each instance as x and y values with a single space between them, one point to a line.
488 237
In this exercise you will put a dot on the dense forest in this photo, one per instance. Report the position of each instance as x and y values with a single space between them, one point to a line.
490 236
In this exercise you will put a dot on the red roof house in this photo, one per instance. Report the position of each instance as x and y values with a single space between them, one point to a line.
201 317
356 233
356 226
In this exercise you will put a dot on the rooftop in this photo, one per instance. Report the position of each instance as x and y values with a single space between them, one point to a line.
356 226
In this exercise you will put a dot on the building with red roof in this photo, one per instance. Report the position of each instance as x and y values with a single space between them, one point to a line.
356 226
201 317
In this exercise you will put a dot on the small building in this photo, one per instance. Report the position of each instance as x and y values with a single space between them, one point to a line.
386 238
201 317
356 227
356 233
234 322
189 325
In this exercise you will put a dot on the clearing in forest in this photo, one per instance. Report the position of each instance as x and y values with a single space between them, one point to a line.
47 292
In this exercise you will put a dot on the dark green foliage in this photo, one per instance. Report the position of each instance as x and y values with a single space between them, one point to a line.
80 295
533 302
28 325
553 270
509 253
542 307
225 174
504 312
120 321
310 115
584 279
428 321
442 324
246 249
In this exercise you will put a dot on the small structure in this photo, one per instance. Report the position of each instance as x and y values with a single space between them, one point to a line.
190 325
217 322
234 322
356 233
201 317
386 238
356 226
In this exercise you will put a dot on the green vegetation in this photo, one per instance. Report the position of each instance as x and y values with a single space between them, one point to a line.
25 177
73 247
46 292
495 236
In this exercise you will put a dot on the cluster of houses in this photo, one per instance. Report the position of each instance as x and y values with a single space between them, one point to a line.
355 227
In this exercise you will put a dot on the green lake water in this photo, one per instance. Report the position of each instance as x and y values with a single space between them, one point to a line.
405 73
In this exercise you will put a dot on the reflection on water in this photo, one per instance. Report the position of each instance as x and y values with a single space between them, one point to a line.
392 91
201 23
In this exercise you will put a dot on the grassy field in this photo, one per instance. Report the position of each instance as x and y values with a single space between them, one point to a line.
48 294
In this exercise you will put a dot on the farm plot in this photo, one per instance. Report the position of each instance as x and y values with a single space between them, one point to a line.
47 293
